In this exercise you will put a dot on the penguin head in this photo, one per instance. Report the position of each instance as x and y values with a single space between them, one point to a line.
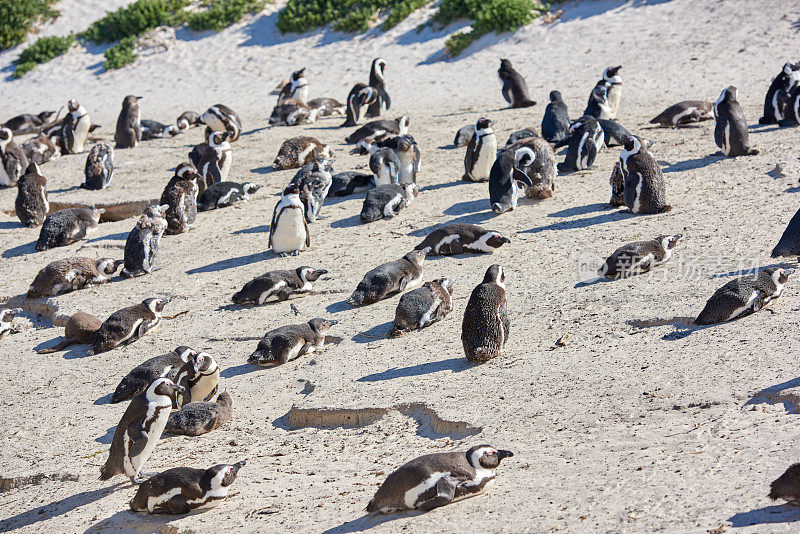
309 274
5 136
611 74
505 64
296 75
107 265
216 139
184 168
291 189
220 476
496 240
402 124
163 387
183 124
379 67
524 157
203 362
669 241
185 353
156 305
729 94
250 188
555 96
416 257
482 124
779 276
495 275
321 326
632 144
486 457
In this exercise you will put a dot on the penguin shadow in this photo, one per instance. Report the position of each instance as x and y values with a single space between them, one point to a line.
70 353
795 189
375 333
579 210
764 128
231 263
108 437
455 365
467 207
608 216
21 250
64 190
777 394
104 400
347 222
263 170
447 147
368 521
778 513
684 326
261 229
11 225
337 307
255 130
54 509
120 236
593 281
694 163
434 187
330 127
128 521
242 369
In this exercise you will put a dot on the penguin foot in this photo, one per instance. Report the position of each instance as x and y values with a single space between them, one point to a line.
296 253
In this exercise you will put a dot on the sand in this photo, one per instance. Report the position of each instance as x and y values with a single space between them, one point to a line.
637 423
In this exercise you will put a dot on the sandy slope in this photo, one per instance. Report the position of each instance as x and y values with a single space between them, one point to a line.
637 424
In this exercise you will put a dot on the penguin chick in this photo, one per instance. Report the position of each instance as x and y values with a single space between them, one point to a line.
314 180
555 123
164 365
513 86
744 296
299 151
685 112
180 197
7 321
787 486
289 342
99 169
79 330
280 285
387 200
645 190
484 331
458 238
141 246
730 128
127 325
389 278
31 204
198 418
437 479
68 226
40 149
423 306
639 257
225 194
69 274
129 128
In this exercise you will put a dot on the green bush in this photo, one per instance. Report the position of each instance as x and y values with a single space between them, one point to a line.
42 51
135 19
120 54
222 13
17 17
345 15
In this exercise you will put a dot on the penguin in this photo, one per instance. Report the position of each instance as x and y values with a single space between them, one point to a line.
460 238
555 123
139 430
423 306
385 165
7 326
360 95
778 92
74 129
40 149
141 246
542 170
377 80
437 479
484 331
297 88
127 325
27 123
639 257
280 285
744 296
225 194
409 156
346 183
326 107
519 135
464 135
13 162
99 169
188 119
182 489
31 204
288 232
613 132
787 486
617 181
387 200
792 112
599 106
380 130
162 366
481 152
199 378
730 129
299 151
291 113
221 118
614 90
197 154
314 180
68 226
129 128
155 130
180 197
514 88
503 178
789 244
585 140
198 418
70 274
79 330
289 342
685 112
645 190
389 278
215 164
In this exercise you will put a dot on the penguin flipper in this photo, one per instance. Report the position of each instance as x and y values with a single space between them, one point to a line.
386 98
138 437
506 92
520 176
445 493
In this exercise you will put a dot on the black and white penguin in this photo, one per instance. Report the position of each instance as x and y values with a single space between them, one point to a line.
617 181
68 226
437 479
289 342
585 140
792 111
299 151
70 274
293 112
13 161
198 418
225 194
385 165
141 246
196 155
7 326
484 331
614 90
360 95
129 127
730 129
459 238
280 285
188 119
464 135
789 244
221 118
513 86
139 430
380 130
155 130
297 88
555 123
215 163
99 168
74 129
645 189
199 378
409 156
80 329
182 489
787 486
346 183
27 123
389 278
503 178
180 197
613 132
481 152
423 306
599 106
31 204
519 135
377 80
387 200
164 365
314 180
542 170
778 93
40 149
744 296
639 257
685 112
127 325
288 232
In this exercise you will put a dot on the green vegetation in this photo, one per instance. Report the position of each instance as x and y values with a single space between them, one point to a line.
120 54
219 14
135 19
17 17
42 51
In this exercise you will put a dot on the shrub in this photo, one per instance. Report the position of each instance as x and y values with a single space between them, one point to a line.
17 17
135 19
42 51
120 54
345 15
222 13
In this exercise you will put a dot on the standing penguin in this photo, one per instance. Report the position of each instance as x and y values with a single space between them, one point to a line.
645 191
289 342
129 127
377 81
141 246
139 430
74 129
484 331
67 226
164 365
221 118
639 257
730 130
585 141
614 90
778 93
180 197
288 232
789 244
744 296
360 95
297 88
13 161
99 169
503 189
31 204
127 325
215 163
555 123
199 378
423 306
599 106
389 278
514 88
481 152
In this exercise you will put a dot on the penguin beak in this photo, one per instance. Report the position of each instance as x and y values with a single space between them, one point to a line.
320 272
504 454
238 465
331 322
139 98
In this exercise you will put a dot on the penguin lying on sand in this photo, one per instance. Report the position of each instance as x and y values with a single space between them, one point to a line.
127 325
423 306
289 342
744 296
389 278
280 285
639 257
198 418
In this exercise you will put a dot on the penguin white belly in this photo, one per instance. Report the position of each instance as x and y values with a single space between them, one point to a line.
302 94
209 500
685 113
205 386
582 155
152 502
5 180
414 282
726 139
156 429
446 241
291 232
481 244
81 133
392 206
486 158
411 496
383 178
271 291
226 165
637 200
748 306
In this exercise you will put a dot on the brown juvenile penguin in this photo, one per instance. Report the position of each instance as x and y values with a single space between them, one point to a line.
79 330
13 161
198 418
31 204
484 331
69 274
299 151
129 128
68 226
40 149
423 306
127 325
180 197
389 278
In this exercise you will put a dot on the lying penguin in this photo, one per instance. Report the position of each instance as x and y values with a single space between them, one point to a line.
744 296
280 285
198 418
389 279
423 306
289 342
639 257
223 194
